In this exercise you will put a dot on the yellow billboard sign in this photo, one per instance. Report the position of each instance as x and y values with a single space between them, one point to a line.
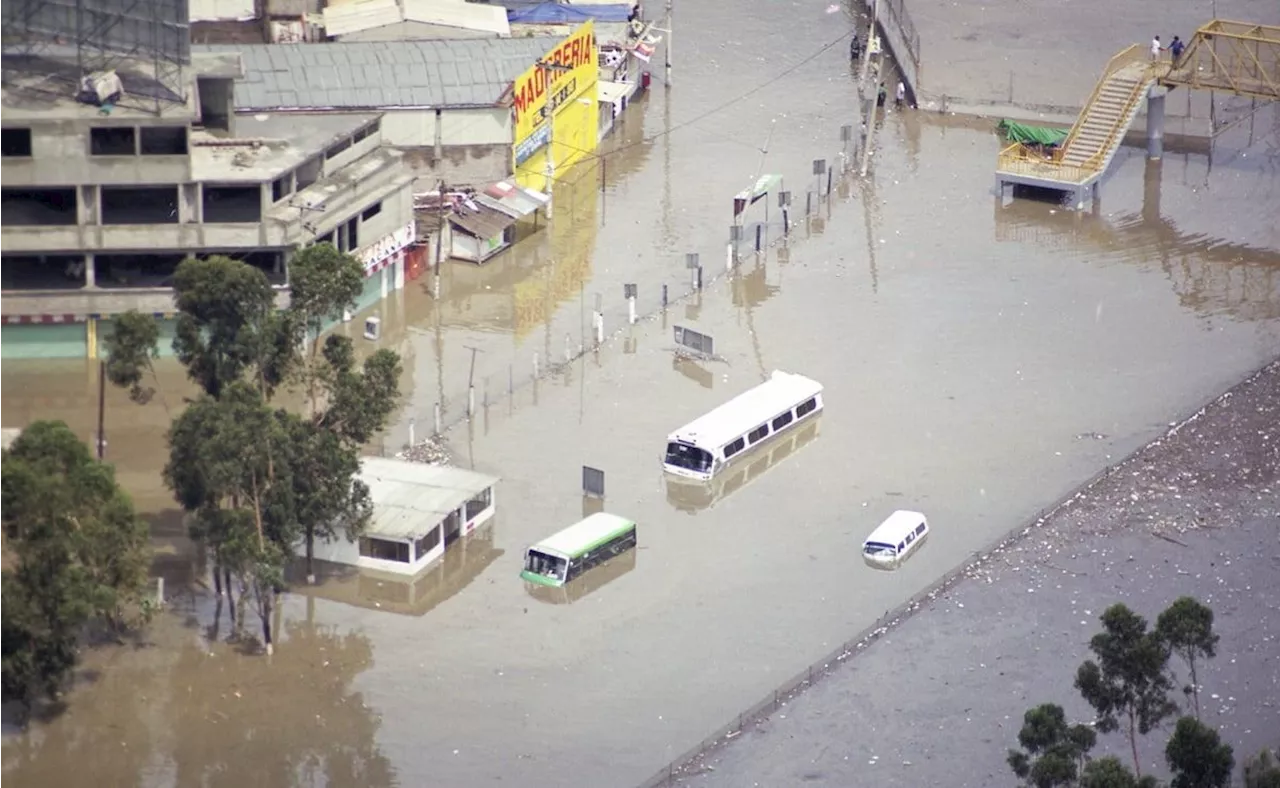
565 74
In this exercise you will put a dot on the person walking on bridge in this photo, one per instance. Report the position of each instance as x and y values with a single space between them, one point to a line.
1176 48
1156 48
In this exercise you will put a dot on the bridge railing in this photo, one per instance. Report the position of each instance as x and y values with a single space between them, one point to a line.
1018 159
1134 54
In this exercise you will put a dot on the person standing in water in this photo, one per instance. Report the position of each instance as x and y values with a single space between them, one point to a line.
901 94
881 95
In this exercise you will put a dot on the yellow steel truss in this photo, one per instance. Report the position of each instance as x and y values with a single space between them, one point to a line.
1238 57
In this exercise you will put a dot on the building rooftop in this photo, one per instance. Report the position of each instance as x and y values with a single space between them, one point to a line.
45 88
410 498
263 146
376 75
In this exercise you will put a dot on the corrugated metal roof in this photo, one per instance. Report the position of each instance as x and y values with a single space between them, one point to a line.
339 20
375 75
483 222
411 498
457 13
512 199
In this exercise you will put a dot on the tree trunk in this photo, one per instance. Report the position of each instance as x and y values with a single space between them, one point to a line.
231 597
265 604
217 620
217 572
1195 685
1133 745
311 556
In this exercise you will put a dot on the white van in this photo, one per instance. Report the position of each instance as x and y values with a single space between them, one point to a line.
702 448
900 535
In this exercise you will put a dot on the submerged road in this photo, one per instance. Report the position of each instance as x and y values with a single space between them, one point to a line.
979 361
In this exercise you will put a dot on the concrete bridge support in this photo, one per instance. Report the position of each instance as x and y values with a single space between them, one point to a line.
1155 122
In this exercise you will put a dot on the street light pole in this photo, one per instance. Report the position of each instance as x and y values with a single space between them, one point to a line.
670 36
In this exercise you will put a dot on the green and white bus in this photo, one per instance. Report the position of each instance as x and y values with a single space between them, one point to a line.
588 543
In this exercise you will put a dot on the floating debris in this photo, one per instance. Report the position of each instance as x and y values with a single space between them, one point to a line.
432 451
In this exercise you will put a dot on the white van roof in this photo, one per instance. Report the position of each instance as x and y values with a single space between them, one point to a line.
752 407
896 526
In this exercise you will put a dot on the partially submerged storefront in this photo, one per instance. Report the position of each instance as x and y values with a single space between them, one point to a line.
484 224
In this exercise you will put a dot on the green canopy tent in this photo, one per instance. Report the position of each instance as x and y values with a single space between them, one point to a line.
1032 135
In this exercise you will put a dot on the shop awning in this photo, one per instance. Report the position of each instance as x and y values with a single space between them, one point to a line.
612 92
513 200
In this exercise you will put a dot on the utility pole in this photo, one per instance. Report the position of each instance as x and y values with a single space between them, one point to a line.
435 288
102 408
670 36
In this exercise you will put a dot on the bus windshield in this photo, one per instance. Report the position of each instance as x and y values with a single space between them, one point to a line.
879 550
691 458
549 566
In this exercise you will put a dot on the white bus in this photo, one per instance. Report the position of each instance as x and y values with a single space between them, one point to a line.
701 449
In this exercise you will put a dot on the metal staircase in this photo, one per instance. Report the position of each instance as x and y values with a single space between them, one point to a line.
1100 129
1096 136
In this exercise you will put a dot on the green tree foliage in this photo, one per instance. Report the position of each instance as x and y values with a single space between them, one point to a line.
1198 757
1110 772
1128 683
1262 771
227 326
82 556
229 464
131 346
260 480
1186 628
1052 751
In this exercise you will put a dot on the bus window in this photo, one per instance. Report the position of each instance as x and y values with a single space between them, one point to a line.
758 434
734 448
805 408
689 457
546 565
782 421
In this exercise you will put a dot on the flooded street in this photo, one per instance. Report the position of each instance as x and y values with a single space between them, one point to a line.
979 359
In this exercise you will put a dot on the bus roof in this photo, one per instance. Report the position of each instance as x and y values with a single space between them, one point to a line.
752 407
586 534
895 527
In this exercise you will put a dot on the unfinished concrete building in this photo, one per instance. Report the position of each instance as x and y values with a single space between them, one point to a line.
101 203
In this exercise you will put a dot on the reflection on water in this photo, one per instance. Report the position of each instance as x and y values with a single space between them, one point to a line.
409 596
894 564
586 583
184 711
1210 275
688 495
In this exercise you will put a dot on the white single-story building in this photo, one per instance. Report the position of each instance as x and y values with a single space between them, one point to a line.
419 510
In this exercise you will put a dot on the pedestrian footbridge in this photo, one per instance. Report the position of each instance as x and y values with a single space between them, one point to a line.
1235 57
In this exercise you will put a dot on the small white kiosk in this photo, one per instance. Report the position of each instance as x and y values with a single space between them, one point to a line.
419 510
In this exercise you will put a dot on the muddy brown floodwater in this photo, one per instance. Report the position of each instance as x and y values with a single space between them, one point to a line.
980 359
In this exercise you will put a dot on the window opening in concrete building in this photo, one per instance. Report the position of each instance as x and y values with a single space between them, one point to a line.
135 270
281 188
231 204
339 148
353 234
163 140
15 143
371 211
269 262
140 204
307 173
38 207
327 238
47 272
113 142
367 131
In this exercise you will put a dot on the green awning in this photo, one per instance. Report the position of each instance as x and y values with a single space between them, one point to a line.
1032 135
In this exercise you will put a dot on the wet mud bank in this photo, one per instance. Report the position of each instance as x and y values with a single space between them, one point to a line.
1194 512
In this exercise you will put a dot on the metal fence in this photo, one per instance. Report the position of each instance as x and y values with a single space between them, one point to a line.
613 315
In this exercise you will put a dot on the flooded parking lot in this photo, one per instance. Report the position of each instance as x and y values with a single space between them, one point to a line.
979 359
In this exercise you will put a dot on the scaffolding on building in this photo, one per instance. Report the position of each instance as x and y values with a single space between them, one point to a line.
146 43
